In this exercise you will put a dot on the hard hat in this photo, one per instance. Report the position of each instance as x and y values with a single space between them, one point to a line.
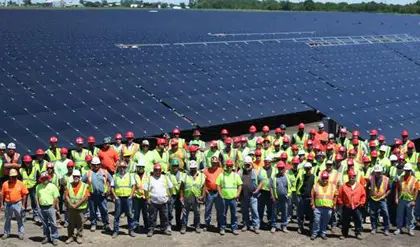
373 132
301 126
236 140
40 152
13 172
224 132
64 151
260 141
176 131
268 158
295 147
381 138
118 136
122 164
196 133
301 152
355 141
310 157
88 158
161 141
265 128
330 147
11 146
350 162
96 161
282 126
343 131
355 133
321 125
44 175
401 157
277 143
91 139
410 145
307 165
248 160
342 149
408 167
127 153
140 164
398 142
377 168
258 153
229 163
393 157
404 133
79 141
283 155
277 131
329 162
312 131
53 139
70 164
339 157
396 151
76 173
244 139
372 144
129 135
50 165
174 142
27 158
352 151
286 139
213 144
145 143
309 142
317 147
193 148
2 146
351 173
157 166
252 129
174 162
325 175
331 136
295 160
228 140
383 148
193 164
107 140
374 154
281 164
365 159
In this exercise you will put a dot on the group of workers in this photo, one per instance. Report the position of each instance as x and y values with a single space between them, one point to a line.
312 176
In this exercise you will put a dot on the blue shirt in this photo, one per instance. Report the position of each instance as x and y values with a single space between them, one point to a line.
281 185
98 181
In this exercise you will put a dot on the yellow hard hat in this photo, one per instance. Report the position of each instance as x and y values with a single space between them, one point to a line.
13 173
127 153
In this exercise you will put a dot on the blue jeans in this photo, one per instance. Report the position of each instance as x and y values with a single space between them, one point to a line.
293 204
49 222
174 202
379 208
231 204
140 206
191 204
405 211
98 201
123 204
32 192
417 208
321 219
10 209
213 198
252 202
304 209
281 205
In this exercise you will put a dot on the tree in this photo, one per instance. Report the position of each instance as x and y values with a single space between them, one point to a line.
27 2
182 5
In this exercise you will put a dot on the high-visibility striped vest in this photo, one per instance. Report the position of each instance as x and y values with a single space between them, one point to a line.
134 148
289 186
176 181
407 188
393 174
28 179
79 158
95 151
194 186
75 198
413 158
229 185
324 195
105 177
232 155
378 193
292 178
41 167
55 180
139 192
53 156
122 186
252 143
334 177
300 141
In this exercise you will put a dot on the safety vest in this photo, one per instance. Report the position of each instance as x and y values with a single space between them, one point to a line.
413 158
75 198
378 193
163 160
194 186
181 143
334 177
55 180
95 151
176 181
407 188
292 178
221 144
105 178
252 143
207 156
8 159
122 186
393 174
53 156
232 155
79 158
28 179
367 173
139 192
324 195
40 167
229 185
134 148
274 184
300 141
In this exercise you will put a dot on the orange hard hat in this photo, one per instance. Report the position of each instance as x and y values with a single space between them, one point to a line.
325 175
258 153
381 138
343 131
260 141
91 139
372 144
374 154
64 151
373 132
309 142
88 158
310 157
350 162
401 157
295 147
404 133
161 141
244 139
213 144
193 148
355 133
276 143
236 139
342 149
312 131
398 142
351 173
330 147
229 163
295 160
176 131
70 164
118 136
352 151
228 140
410 145
365 159
277 130
157 166
355 141
224 132
339 157
283 155
317 147
174 142
286 139
301 126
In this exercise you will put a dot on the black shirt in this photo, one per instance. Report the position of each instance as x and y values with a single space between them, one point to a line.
308 184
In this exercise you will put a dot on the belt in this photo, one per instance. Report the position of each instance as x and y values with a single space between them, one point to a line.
45 206
212 191
12 202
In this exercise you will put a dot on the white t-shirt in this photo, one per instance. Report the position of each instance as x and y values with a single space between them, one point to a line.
157 190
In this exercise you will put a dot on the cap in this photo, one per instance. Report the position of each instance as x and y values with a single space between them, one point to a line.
339 157
91 139
157 166
161 141
140 164
13 173
196 133
88 158
11 146
76 173
301 152
377 168
27 158
295 147
53 139
351 173
50 165
224 132
381 138
96 161
307 165
404 133
118 136
268 158
229 163
373 132
393 157
107 140
176 131
283 155
248 160
79 141
281 164
401 157
258 153
193 148
145 143
312 131
321 125
175 162
301 126
40 152
277 130
2 146
408 167
213 144
365 159
70 164
295 160
265 128
193 164
228 140
383 148
372 144
286 139
331 136
252 129
325 175
310 157
127 153
129 135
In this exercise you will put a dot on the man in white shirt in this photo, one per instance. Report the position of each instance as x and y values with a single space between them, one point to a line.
157 191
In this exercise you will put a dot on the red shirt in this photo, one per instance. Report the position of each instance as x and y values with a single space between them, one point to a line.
351 198
109 159
211 178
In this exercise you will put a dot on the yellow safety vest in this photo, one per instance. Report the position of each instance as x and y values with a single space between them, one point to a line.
37 165
75 198
79 158
324 198
194 187
28 179
377 194
139 193
122 186
53 156
407 189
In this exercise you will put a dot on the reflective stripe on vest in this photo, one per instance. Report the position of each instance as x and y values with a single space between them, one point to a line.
79 158
122 187
324 198
376 193
54 157
224 187
407 189
28 179
75 198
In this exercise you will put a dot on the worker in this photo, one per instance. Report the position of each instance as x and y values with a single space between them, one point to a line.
244 149
160 155
266 149
131 146
280 190
379 189
252 183
196 138
229 187
411 156
191 193
195 155
175 152
304 183
252 138
176 133
77 195
228 153
54 178
108 156
405 141
302 159
293 199
40 163
175 177
311 139
210 192
360 144
395 171
260 143
64 181
158 191
266 134
383 160
12 198
140 201
321 134
47 200
405 198
417 207
118 146
79 154
382 142
334 179
258 161
99 181
10 160
300 136
2 162
264 200
323 200
210 153
61 164
29 176
122 190
53 152
352 197
167 138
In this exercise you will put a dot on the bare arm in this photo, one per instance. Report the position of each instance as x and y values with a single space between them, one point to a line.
238 195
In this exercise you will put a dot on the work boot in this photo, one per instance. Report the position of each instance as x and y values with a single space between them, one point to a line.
235 232
198 230
183 230
285 230
257 231
342 237
69 240
55 242
411 232
131 233
93 228
373 232
205 228
5 236
273 230
386 232
300 230
222 232
107 228
20 236
359 236
150 234
79 240
168 232
245 228
313 237
115 235
324 237
397 232
45 241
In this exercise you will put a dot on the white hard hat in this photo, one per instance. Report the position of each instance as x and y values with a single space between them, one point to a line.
301 152
11 146
377 168
251 152
393 157
145 142
140 164
76 173
321 125
2 146
383 148
268 158
96 161
331 135
330 162
193 164
248 160
408 167
307 165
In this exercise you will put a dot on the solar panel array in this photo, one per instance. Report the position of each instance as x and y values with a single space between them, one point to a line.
80 73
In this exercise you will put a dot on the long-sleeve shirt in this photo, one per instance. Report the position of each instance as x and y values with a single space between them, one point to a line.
351 196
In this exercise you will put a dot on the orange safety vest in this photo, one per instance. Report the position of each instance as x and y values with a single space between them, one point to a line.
334 177
407 189
378 193
13 160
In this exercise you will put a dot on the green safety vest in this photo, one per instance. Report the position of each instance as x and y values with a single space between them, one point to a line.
163 160
95 151
194 187
393 174
176 181
368 172
407 189
292 178
53 156
324 198
28 179
208 154
413 159
300 141
75 198
79 158
229 185
122 186
38 165
266 179
252 143
274 184
221 145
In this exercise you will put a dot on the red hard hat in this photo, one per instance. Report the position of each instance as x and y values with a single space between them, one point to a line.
309 142
342 149
228 140
295 160
40 152
176 131
258 153
301 126
53 139
286 139
281 164
252 129
50 165
283 155
236 139
64 151
196 133
310 156
404 133
91 139
351 173
229 162
381 138
295 147
260 141
224 132
410 145
373 132
27 158
244 139
355 133
277 130
265 128
118 136
161 141
325 175
339 157
213 144
355 141
330 147
365 159
374 154
343 131
88 158
312 131
372 144
157 166
79 140
396 151
317 147
129 135
398 142
193 148
174 142
352 151
350 162
401 157
276 143
70 164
